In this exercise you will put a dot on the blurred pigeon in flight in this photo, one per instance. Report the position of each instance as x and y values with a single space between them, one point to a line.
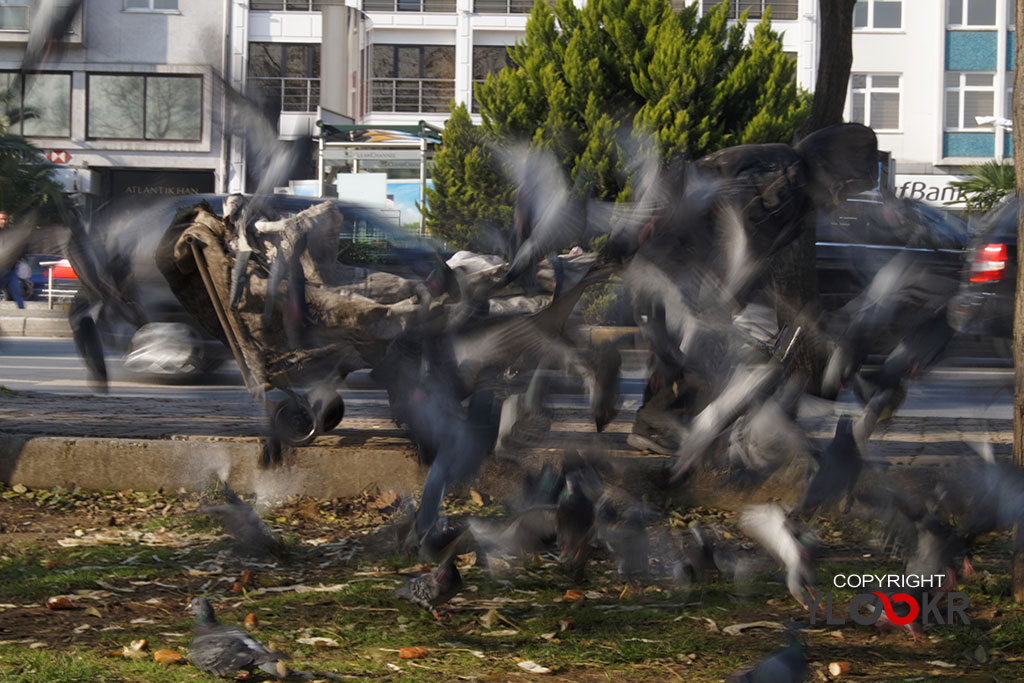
769 527
251 534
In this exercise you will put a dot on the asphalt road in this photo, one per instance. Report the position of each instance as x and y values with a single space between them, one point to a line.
53 366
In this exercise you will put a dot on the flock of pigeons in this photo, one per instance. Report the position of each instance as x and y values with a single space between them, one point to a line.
693 251
717 394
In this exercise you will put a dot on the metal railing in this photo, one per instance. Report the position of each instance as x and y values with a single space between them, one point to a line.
412 94
781 9
50 292
503 6
408 5
293 94
286 5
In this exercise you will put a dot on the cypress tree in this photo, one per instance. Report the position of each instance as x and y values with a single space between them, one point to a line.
593 84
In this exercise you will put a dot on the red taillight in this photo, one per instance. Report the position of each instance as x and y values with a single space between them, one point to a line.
989 263
63 269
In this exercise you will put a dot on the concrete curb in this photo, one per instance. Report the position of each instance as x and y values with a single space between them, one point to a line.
152 464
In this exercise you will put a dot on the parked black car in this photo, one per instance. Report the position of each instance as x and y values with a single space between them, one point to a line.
984 305
854 242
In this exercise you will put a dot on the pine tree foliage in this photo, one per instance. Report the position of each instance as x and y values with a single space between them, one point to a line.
595 84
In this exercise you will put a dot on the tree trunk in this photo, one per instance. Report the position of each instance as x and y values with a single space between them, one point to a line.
835 57
794 272
1018 310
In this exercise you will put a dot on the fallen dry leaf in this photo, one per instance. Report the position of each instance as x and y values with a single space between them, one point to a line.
737 629
572 595
135 650
566 624
237 587
466 561
941 664
59 602
480 499
501 633
533 667
250 622
168 657
414 652
839 668
246 578
319 641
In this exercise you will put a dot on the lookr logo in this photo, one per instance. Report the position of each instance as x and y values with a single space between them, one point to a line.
922 604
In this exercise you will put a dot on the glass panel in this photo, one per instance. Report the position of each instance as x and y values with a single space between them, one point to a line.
952 79
297 58
977 103
955 16
408 6
136 4
297 5
378 5
174 108
439 61
48 101
383 60
860 14
14 17
978 79
981 12
859 80
1011 13
114 109
784 10
314 69
165 4
885 110
952 109
754 6
408 62
487 60
857 113
885 81
265 59
888 14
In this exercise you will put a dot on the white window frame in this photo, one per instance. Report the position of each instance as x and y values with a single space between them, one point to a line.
868 90
871 18
962 24
150 8
961 88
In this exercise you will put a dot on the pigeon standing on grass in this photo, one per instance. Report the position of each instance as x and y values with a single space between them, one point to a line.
574 519
220 649
430 589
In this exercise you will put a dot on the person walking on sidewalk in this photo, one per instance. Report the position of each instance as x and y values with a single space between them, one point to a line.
9 279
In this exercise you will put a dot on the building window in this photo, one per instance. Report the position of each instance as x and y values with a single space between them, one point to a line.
39 105
780 9
969 94
285 76
413 78
408 5
503 6
144 107
487 59
286 5
973 13
872 14
151 5
875 100
16 16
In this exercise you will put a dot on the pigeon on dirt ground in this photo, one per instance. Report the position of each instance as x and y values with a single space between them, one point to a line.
785 666
251 534
430 589
574 519
221 649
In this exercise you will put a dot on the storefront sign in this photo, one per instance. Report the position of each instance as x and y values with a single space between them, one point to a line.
931 189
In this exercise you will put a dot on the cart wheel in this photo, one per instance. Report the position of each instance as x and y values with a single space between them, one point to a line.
330 413
294 421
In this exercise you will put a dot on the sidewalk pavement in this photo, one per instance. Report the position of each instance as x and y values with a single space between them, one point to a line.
37 319
103 442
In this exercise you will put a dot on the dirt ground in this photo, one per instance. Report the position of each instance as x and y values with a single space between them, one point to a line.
126 563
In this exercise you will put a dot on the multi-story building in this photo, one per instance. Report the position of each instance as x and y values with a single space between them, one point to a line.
134 99
128 102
